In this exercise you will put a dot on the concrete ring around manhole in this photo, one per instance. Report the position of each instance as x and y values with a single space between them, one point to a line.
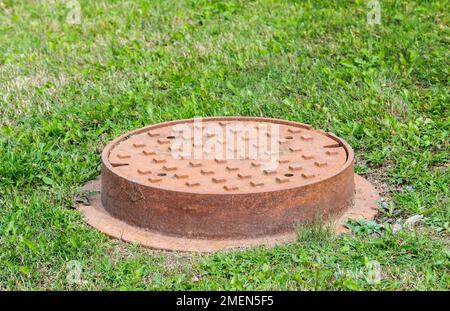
210 184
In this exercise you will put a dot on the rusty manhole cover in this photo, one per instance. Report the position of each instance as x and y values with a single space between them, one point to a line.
216 183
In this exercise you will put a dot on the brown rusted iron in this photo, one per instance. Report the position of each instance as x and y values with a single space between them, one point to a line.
266 176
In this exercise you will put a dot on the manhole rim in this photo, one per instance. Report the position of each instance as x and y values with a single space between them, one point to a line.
342 170
364 206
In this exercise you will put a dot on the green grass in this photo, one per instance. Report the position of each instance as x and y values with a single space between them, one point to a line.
66 90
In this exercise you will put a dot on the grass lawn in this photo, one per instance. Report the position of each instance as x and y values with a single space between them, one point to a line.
67 89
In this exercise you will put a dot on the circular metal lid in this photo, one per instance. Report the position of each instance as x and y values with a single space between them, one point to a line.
229 155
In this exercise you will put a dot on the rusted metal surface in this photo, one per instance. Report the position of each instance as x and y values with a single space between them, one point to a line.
364 206
166 181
